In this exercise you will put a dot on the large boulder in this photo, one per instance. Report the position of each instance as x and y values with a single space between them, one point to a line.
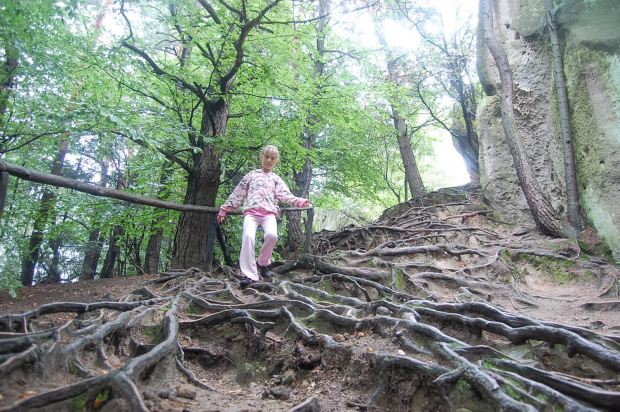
590 42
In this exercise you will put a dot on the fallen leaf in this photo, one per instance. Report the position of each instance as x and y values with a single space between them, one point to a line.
27 394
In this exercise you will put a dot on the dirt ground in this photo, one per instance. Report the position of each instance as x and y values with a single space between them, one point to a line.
358 324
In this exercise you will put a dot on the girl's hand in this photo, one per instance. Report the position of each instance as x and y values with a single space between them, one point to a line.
220 219
306 203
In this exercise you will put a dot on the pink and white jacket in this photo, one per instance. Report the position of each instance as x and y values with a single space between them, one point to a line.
261 192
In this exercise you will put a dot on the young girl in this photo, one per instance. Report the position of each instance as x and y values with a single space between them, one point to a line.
261 189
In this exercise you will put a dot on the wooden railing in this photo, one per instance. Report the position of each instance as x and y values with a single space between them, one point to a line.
7 169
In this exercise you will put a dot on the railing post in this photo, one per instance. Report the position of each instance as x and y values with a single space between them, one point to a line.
211 242
309 228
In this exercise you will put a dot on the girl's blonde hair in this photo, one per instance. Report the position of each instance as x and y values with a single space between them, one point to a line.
270 149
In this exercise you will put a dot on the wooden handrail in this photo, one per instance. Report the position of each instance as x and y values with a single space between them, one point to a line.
96 190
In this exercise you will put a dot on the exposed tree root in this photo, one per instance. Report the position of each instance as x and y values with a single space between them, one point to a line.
368 327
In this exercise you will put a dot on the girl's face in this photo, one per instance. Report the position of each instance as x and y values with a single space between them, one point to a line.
269 160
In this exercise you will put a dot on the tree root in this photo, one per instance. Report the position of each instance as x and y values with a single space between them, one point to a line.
376 320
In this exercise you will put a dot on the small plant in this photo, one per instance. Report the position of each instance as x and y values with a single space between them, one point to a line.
101 398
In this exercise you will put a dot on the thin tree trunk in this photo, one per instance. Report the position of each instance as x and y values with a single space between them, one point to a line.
573 210
545 217
46 207
7 80
114 250
221 238
32 255
303 179
153 249
412 173
95 243
294 227
467 143
55 275
93 253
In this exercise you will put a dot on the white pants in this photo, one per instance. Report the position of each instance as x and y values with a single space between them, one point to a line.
247 259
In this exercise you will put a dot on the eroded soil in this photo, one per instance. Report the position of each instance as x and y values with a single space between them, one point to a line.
436 306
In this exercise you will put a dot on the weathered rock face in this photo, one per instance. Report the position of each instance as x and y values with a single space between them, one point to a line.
590 41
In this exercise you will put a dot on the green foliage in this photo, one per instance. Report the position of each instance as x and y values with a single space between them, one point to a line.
9 278
130 128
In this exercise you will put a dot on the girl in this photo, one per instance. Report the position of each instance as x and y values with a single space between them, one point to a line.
261 189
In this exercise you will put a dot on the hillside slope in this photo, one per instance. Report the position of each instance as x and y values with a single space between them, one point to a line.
436 306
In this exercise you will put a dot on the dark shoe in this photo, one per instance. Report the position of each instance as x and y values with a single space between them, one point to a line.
264 271
245 283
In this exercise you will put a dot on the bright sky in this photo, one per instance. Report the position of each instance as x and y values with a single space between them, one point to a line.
449 164
448 167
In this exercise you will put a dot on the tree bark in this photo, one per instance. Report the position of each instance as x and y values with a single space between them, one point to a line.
8 72
465 138
114 250
545 217
92 255
153 249
573 209
46 208
95 242
193 243
55 273
303 178
194 232
412 173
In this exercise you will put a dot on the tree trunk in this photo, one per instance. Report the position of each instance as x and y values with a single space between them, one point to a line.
93 253
294 227
573 210
303 179
7 79
95 243
466 141
46 207
55 274
194 232
153 249
545 217
412 173
114 251
4 187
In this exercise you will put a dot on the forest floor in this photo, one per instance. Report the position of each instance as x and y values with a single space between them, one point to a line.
438 305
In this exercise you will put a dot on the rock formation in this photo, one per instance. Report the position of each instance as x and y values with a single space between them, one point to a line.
590 42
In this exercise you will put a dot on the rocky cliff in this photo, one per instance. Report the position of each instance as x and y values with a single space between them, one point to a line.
590 40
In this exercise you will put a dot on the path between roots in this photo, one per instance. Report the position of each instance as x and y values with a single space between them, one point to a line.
512 271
